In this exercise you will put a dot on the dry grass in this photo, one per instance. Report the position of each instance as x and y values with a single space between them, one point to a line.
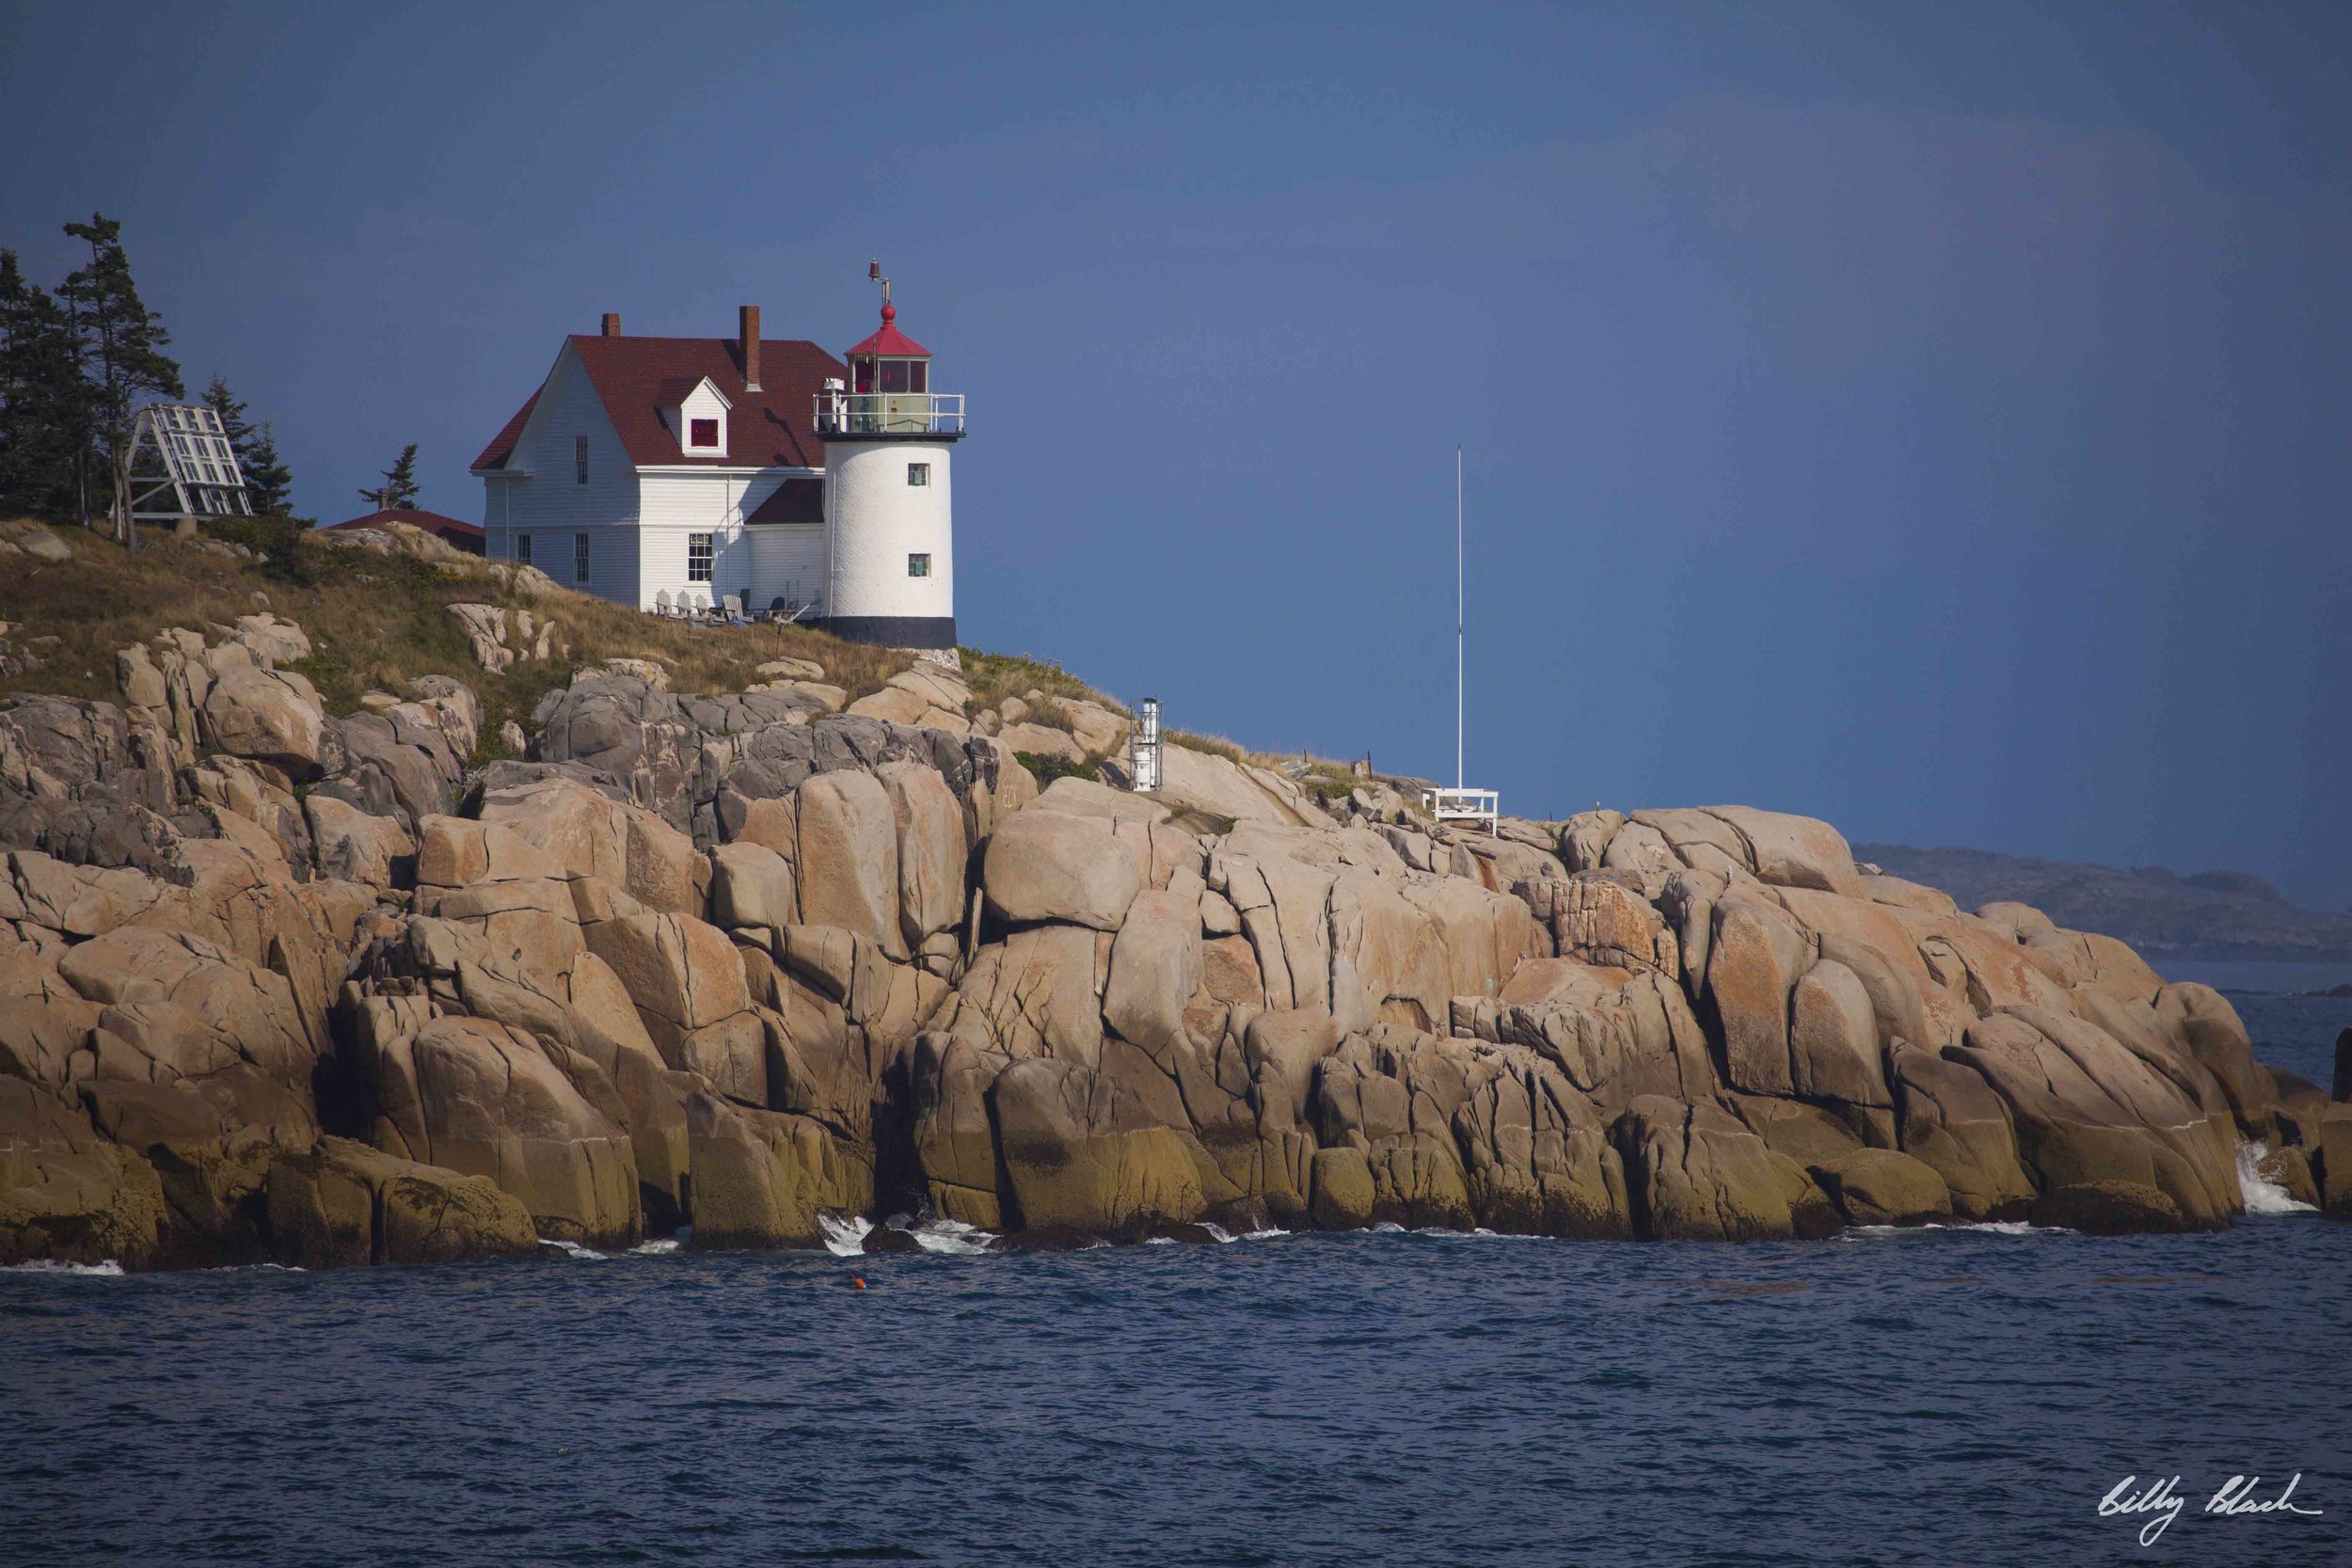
374 622
1215 745
995 677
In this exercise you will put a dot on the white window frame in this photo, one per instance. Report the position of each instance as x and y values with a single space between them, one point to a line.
522 549
582 557
919 475
918 563
707 544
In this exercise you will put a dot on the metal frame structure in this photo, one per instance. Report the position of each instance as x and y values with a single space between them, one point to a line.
200 466
1461 803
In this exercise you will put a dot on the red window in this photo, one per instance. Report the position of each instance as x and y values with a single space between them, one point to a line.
702 433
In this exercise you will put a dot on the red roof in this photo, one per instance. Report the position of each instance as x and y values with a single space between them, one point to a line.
636 377
464 535
890 341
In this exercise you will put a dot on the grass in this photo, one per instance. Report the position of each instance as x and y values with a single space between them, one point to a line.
373 622
1215 745
1046 770
995 677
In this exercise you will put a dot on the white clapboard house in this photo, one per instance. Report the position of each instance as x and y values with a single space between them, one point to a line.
666 472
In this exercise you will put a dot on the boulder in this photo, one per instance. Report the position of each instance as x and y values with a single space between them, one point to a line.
847 863
1079 1155
1756 955
344 1203
68 1195
756 1181
356 847
267 716
1050 865
1949 1119
1879 1186
1695 1174
485 1100
1834 1039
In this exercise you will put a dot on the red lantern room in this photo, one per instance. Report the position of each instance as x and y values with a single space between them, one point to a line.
890 361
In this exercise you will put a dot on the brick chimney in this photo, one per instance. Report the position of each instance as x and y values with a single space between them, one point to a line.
747 326
611 323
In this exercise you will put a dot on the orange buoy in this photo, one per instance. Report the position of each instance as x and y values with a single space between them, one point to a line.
860 1283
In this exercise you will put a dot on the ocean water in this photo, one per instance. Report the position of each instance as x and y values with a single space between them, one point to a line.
1940 1397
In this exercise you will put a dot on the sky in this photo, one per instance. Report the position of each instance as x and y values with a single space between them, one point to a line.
1931 418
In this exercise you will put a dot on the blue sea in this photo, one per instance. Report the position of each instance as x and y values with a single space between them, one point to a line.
1944 1397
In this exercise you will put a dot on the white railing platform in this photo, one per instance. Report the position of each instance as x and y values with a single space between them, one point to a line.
889 413
1465 806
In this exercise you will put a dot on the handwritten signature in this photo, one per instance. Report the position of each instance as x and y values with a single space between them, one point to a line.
2162 1502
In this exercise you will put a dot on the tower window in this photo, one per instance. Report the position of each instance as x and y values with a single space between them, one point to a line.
580 459
698 558
919 565
918 474
894 374
522 549
580 557
702 433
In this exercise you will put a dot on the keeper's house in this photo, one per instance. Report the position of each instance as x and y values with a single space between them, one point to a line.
666 472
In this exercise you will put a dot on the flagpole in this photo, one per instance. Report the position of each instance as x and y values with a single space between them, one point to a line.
1457 616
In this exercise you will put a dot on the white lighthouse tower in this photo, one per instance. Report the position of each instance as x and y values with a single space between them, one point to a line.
889 538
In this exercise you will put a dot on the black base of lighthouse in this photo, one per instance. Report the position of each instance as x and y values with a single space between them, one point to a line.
892 631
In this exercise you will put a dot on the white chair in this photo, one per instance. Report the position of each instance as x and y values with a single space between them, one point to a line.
662 602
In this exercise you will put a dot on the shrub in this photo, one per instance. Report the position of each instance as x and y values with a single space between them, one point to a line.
1047 770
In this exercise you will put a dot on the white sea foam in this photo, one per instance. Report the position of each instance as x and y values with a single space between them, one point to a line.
845 1234
107 1269
1388 1228
1264 1233
660 1246
2262 1194
952 1237
574 1250
1983 1228
1159 1241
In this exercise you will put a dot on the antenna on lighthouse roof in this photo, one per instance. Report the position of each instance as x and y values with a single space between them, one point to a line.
1457 616
874 272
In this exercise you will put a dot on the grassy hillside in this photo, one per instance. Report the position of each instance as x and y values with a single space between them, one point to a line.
373 620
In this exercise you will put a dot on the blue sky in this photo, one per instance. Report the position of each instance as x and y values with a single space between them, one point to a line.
1931 418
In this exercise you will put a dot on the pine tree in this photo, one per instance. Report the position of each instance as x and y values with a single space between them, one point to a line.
120 347
267 484
400 489
40 396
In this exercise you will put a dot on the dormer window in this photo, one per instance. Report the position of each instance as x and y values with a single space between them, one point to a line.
696 413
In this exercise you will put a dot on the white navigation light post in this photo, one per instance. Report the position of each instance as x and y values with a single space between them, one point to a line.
1143 752
1461 803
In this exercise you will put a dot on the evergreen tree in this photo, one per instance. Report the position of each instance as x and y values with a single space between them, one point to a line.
120 345
40 414
399 484
267 484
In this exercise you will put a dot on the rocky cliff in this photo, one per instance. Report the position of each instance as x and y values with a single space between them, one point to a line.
330 987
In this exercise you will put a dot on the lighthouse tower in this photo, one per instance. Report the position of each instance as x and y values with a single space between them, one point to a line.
889 541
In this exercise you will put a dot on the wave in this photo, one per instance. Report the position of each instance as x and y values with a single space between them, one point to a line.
1264 1233
660 1246
952 1237
1983 1228
845 1234
107 1269
574 1250
2262 1194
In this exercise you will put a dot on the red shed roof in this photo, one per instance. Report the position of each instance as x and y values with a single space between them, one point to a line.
464 535
890 341
635 378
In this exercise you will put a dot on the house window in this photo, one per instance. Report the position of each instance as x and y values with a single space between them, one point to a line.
522 549
698 555
919 565
918 474
580 557
580 460
702 433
